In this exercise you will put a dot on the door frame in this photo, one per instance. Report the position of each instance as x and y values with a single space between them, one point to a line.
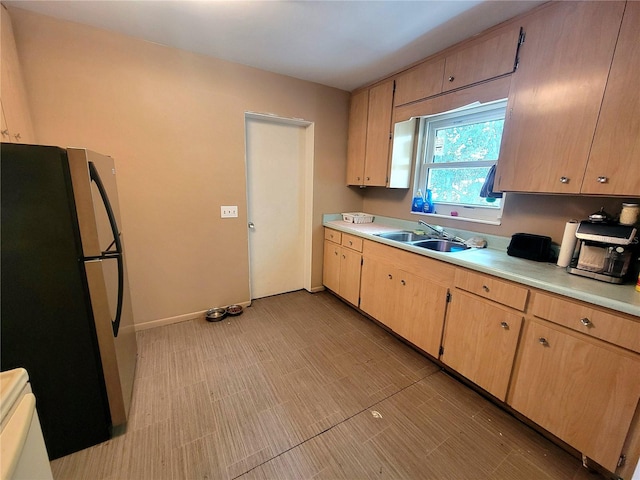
308 164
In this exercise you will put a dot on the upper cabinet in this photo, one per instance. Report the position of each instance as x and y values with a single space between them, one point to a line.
421 81
369 136
483 58
488 57
16 119
613 163
555 99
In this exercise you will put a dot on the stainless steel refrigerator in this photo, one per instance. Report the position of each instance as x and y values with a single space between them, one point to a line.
66 313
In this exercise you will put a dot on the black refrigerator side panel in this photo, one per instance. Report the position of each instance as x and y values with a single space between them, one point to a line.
47 323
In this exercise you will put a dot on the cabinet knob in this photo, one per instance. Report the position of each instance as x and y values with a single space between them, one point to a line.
451 78
564 179
485 288
17 136
504 325
603 179
543 341
358 178
390 277
368 178
350 243
403 282
586 322
5 132
344 256
335 253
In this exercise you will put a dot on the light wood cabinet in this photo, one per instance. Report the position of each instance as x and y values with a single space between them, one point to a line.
369 136
480 340
16 118
555 96
582 390
613 327
488 57
342 264
613 163
421 81
397 295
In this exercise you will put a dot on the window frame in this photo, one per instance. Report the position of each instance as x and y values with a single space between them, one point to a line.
474 113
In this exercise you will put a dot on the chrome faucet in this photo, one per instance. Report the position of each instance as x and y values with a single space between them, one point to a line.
441 233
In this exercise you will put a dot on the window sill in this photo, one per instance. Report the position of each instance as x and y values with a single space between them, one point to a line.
459 218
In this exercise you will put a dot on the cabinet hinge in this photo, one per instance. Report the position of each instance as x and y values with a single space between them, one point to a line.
448 297
520 42
622 460
441 351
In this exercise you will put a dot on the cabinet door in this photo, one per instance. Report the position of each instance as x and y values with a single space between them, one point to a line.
421 308
350 275
613 162
482 60
420 82
581 390
480 342
378 134
357 138
378 290
555 96
331 266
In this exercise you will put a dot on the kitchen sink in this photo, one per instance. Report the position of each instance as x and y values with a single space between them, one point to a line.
424 241
441 245
404 237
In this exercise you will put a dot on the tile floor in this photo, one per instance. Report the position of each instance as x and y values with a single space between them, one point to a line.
302 386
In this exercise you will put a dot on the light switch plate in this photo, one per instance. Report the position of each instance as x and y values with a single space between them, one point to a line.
228 211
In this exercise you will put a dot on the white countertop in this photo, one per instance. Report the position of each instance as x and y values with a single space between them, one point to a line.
495 261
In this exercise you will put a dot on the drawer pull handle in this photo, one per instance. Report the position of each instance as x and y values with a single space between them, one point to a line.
603 179
403 282
451 78
543 341
586 322
485 288
504 325
564 179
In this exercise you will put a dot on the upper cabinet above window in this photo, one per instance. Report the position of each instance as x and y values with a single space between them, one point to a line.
479 59
489 57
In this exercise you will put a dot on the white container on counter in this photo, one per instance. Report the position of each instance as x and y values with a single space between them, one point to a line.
629 214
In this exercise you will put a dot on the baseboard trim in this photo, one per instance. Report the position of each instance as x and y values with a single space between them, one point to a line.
320 288
177 319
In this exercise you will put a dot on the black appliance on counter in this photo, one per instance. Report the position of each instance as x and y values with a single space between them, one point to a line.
607 251
65 306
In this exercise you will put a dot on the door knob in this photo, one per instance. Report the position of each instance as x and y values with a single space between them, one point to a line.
251 225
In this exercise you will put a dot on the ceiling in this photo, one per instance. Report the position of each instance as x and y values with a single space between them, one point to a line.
343 44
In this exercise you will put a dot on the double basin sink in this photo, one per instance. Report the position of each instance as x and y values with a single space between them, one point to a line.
424 241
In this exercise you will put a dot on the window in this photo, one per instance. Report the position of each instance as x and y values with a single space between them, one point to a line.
457 150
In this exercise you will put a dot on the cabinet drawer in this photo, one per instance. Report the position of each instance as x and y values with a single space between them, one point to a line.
352 242
616 328
332 235
491 288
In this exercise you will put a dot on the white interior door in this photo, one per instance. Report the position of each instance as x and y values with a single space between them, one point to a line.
276 154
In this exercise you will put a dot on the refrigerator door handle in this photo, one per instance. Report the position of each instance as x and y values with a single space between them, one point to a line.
117 254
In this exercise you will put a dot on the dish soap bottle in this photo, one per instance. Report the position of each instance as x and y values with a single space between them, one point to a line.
428 202
418 202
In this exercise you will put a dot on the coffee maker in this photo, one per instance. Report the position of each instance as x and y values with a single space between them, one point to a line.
607 251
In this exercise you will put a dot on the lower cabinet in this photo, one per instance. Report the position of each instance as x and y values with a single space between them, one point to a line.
411 305
582 390
341 268
480 341
568 366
